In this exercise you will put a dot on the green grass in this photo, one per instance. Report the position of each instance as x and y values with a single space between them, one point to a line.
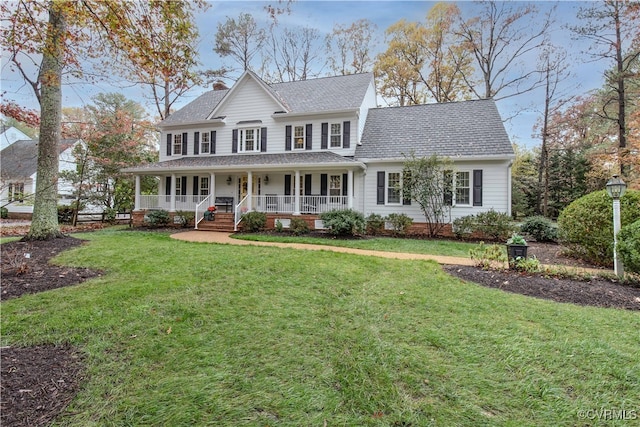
183 334
417 246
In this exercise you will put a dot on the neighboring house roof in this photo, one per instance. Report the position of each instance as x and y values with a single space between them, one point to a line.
452 129
323 158
9 135
20 159
303 96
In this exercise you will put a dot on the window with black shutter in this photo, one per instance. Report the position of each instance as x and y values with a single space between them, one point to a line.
346 134
380 188
196 143
169 142
477 187
263 140
324 136
287 139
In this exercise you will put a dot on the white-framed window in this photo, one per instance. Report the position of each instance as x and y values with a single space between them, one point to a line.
336 135
205 143
298 138
457 188
394 190
204 186
249 140
463 188
177 144
335 185
179 184
16 192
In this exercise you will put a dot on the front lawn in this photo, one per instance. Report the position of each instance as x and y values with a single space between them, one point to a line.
179 333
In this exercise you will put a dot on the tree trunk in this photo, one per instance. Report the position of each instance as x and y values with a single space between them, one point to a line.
44 223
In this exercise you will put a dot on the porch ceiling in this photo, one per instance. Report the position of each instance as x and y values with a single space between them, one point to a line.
256 162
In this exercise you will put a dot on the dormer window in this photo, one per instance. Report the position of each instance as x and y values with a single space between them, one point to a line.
298 138
249 140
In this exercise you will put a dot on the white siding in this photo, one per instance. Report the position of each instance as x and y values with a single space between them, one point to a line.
495 190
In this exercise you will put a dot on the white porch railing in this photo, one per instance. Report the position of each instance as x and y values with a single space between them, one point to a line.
182 203
264 203
241 209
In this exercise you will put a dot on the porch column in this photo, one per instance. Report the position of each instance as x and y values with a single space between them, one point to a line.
212 186
136 203
250 190
350 189
174 183
296 194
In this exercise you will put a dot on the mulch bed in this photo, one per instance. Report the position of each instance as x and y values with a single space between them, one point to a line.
38 382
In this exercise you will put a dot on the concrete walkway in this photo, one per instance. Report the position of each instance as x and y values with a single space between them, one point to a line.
225 238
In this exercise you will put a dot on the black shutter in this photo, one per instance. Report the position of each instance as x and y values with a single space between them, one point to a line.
212 140
344 184
287 139
169 136
183 185
324 137
196 186
184 144
307 185
308 137
380 187
263 139
406 185
234 141
196 143
346 134
477 187
287 185
448 188
324 185
167 186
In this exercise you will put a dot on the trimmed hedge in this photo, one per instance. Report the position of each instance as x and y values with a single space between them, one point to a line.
586 225
540 228
629 246
254 221
344 222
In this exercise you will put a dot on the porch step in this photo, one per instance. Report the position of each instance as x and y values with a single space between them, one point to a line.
223 223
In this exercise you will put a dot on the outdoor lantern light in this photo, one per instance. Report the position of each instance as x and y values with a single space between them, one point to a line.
266 180
616 188
229 180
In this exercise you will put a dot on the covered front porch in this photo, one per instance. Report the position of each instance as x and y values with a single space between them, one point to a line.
236 193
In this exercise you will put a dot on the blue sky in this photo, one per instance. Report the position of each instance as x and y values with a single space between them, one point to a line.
323 15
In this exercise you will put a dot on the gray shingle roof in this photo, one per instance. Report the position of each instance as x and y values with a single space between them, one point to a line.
243 161
467 128
304 96
20 159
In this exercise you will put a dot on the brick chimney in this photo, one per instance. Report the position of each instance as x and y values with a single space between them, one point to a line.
219 85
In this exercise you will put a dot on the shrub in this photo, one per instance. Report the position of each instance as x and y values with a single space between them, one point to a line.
496 225
375 224
65 214
158 218
298 226
585 227
629 246
343 222
4 213
254 221
464 226
185 218
278 226
540 228
528 265
484 256
400 223
109 215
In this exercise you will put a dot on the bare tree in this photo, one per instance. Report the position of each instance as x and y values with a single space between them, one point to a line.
294 54
240 39
501 39
555 68
349 48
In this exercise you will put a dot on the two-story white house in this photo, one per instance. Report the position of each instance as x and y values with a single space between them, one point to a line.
305 147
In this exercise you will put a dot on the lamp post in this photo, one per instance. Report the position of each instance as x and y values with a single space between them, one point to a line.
616 188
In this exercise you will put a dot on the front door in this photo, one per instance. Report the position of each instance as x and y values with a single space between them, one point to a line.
243 187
